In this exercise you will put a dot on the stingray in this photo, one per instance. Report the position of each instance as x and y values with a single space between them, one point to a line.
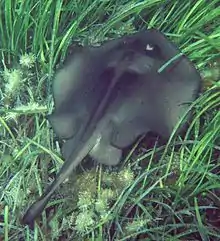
106 97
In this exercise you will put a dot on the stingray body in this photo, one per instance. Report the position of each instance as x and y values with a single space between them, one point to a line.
107 96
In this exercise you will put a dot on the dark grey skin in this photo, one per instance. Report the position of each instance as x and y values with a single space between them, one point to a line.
105 97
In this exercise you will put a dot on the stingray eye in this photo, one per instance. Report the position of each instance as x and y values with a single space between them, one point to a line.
152 50
149 47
